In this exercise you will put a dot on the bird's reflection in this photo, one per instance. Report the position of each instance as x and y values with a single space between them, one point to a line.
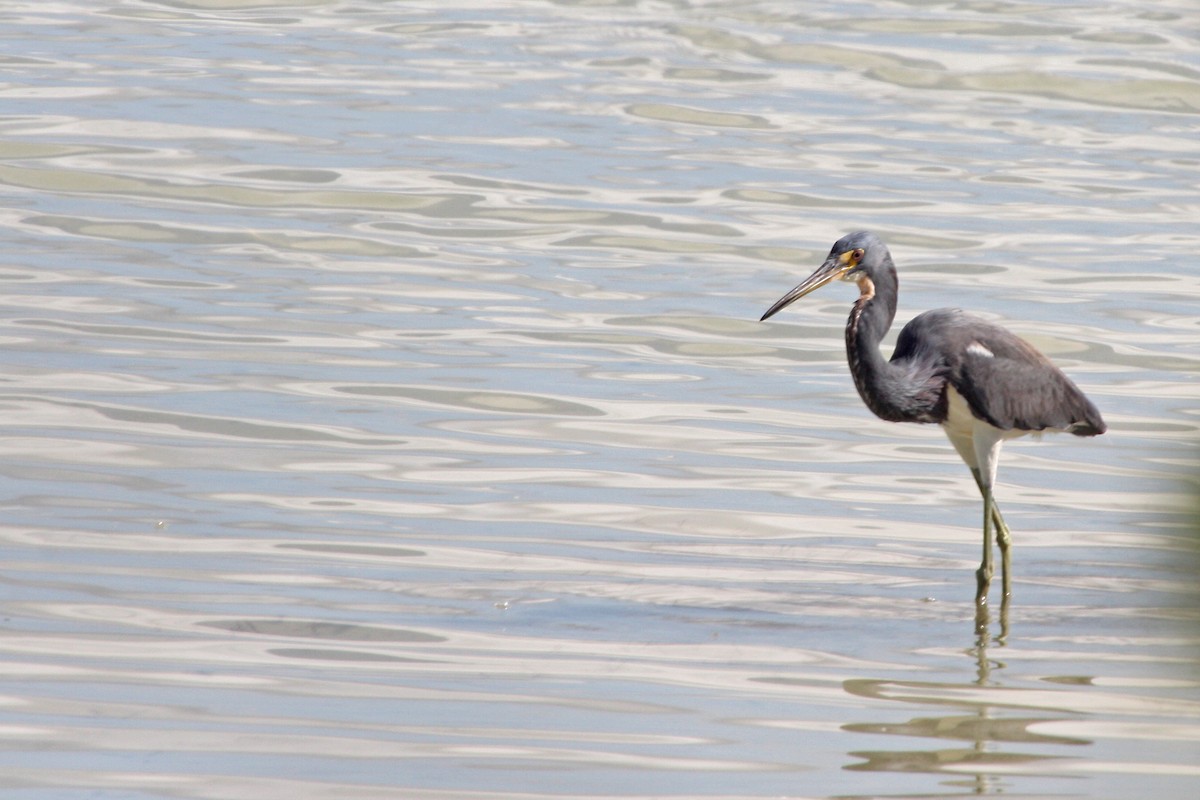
985 743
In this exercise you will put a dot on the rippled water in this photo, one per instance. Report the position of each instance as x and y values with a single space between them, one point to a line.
385 411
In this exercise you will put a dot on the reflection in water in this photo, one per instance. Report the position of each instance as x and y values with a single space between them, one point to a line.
980 727
977 727
985 721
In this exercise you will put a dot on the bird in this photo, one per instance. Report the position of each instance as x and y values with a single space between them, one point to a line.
982 383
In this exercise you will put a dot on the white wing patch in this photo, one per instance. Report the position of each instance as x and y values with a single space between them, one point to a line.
976 349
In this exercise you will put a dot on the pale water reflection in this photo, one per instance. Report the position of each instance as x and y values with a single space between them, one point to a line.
386 413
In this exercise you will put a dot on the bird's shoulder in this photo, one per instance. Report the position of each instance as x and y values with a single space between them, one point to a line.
955 336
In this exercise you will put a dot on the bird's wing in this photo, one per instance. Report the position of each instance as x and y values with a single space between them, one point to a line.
1011 385
1004 379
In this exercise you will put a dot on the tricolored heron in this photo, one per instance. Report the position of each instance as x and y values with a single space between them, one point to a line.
980 382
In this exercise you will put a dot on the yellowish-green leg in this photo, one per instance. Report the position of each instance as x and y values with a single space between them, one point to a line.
992 516
1004 541
983 575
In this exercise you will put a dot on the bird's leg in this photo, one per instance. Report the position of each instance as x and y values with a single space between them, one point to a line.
1003 540
983 576
1003 534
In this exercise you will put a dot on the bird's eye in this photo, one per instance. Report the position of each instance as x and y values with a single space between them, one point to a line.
858 254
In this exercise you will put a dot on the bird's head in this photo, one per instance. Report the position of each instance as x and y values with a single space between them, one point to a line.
855 257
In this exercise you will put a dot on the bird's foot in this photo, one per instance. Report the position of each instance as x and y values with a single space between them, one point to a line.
983 580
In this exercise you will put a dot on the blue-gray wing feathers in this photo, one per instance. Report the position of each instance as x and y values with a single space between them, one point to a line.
1004 379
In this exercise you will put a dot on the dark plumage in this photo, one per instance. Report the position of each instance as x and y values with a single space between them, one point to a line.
980 382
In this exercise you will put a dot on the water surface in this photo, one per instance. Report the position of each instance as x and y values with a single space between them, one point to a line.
385 411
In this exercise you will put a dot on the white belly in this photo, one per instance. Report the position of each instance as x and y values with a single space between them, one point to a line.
977 442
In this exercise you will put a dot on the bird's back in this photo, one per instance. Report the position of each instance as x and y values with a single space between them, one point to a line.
1006 381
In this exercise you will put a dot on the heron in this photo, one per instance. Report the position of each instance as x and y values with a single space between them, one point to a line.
979 381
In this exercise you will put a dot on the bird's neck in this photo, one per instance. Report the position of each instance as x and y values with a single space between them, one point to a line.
880 384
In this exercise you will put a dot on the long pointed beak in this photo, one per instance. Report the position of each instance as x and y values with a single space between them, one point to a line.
834 267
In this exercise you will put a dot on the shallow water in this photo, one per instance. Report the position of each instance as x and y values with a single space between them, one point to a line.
386 412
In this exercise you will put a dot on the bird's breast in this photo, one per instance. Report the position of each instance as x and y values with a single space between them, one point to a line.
962 425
